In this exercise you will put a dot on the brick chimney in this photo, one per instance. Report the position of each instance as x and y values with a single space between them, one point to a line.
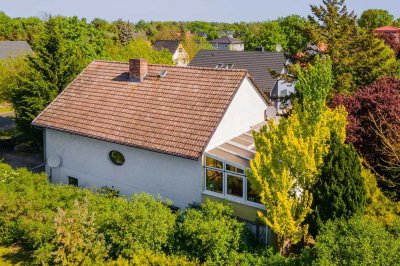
138 68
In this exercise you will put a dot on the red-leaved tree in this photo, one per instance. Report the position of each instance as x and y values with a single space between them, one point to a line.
392 40
373 110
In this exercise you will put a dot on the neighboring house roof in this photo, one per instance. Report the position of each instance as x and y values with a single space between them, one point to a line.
14 48
257 63
226 40
387 28
170 45
176 114
202 34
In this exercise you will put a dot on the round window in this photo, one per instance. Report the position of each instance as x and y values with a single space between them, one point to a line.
117 157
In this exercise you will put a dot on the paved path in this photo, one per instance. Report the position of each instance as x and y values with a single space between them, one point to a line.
19 159
6 123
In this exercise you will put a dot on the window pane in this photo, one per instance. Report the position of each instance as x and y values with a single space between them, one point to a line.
235 186
234 169
116 157
214 181
210 162
252 195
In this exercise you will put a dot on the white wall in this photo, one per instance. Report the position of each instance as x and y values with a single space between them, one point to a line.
174 178
246 110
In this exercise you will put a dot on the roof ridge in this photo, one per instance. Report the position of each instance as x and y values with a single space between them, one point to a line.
173 66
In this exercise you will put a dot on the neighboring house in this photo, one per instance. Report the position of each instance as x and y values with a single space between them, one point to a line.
202 34
12 49
180 132
258 63
389 30
179 55
227 43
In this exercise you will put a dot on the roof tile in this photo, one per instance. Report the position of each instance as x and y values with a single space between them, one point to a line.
176 114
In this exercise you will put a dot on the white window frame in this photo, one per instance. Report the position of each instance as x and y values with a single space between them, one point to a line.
225 174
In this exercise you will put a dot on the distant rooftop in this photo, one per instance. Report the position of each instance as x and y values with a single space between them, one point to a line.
11 49
387 28
226 40
257 63
170 45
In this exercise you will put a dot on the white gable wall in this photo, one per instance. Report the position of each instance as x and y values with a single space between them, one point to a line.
246 110
174 178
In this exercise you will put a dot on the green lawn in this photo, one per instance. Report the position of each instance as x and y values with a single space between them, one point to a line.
13 256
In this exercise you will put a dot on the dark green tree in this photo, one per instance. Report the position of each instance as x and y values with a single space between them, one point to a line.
374 18
340 189
52 67
353 52
125 32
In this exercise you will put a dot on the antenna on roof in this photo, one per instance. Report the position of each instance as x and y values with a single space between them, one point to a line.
163 73
278 48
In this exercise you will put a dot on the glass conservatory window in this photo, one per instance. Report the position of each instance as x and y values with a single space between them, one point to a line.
214 181
234 185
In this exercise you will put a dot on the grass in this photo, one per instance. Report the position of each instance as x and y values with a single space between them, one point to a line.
13 255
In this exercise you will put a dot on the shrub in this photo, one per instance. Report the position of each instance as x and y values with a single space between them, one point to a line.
77 242
211 233
30 216
340 189
141 223
368 104
356 242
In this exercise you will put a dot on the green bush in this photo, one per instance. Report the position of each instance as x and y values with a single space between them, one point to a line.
29 206
358 241
340 188
209 233
141 223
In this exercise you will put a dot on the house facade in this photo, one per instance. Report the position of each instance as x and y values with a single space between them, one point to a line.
183 133
179 55
226 43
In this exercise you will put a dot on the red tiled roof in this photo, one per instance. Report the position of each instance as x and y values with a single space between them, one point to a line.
176 114
387 28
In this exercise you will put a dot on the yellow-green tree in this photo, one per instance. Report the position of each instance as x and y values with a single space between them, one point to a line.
289 155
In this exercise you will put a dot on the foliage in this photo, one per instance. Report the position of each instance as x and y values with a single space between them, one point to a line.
10 69
379 208
125 32
20 29
374 18
289 155
391 41
358 58
294 27
209 234
77 242
340 190
379 102
66 225
356 242
60 54
141 223
138 48
152 258
193 44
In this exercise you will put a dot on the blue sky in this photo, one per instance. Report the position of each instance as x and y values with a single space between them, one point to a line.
180 10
